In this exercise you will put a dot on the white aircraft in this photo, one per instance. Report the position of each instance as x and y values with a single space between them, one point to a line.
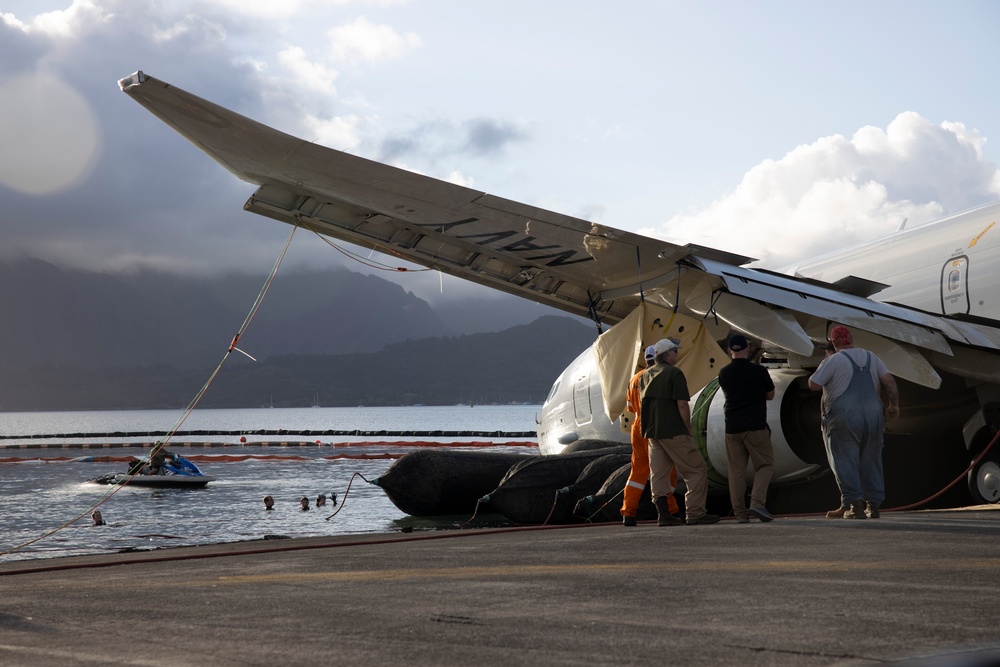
936 322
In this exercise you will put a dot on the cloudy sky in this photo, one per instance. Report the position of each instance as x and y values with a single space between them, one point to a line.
773 129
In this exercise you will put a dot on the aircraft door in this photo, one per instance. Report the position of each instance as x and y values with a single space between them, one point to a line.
955 286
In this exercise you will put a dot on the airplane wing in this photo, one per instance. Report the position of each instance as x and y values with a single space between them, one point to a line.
577 266
548 257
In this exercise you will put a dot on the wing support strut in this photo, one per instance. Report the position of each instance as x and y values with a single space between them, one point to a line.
594 315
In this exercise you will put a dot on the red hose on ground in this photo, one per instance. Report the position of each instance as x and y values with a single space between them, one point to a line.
293 547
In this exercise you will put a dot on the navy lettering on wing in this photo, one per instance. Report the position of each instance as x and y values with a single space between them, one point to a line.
525 244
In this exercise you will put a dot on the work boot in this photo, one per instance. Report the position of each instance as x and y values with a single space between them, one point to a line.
704 520
856 510
664 517
628 520
872 511
837 513
761 513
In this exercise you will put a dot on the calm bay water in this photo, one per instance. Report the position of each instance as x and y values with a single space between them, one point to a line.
44 488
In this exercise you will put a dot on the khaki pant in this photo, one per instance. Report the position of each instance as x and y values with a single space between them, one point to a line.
638 477
755 446
679 451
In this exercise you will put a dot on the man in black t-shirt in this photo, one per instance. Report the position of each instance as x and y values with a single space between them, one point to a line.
747 388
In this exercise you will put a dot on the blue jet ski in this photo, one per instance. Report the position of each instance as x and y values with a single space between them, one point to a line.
175 472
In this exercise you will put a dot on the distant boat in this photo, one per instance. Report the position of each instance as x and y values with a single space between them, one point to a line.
316 401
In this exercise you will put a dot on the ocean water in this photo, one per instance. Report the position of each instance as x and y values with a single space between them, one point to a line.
44 481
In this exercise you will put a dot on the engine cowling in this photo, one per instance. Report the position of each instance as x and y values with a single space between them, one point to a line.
793 416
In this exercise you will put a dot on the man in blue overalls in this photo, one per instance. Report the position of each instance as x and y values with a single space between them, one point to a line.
853 422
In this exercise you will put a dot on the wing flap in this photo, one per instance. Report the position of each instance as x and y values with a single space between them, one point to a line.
516 269
901 360
905 325
776 327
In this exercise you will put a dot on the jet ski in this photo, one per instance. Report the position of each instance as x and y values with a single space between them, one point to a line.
174 472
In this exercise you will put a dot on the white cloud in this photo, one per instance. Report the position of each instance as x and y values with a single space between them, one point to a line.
262 9
336 132
64 22
284 9
364 40
458 178
14 22
837 192
194 28
310 74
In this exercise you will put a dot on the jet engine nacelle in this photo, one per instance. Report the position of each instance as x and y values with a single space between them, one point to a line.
793 417
574 410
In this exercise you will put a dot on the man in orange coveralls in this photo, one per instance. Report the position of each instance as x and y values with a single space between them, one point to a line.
639 476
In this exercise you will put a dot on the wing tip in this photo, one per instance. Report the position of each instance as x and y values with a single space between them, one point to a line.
134 79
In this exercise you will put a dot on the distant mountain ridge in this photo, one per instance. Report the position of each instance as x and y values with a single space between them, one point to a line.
514 366
70 317
80 340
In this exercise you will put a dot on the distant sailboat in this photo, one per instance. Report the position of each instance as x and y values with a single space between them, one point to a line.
316 400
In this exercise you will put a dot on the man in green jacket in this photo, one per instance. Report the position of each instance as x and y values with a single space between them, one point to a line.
666 421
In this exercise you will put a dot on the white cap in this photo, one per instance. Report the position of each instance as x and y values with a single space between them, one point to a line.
665 345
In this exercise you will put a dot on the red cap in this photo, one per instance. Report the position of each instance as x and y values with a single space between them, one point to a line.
841 336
